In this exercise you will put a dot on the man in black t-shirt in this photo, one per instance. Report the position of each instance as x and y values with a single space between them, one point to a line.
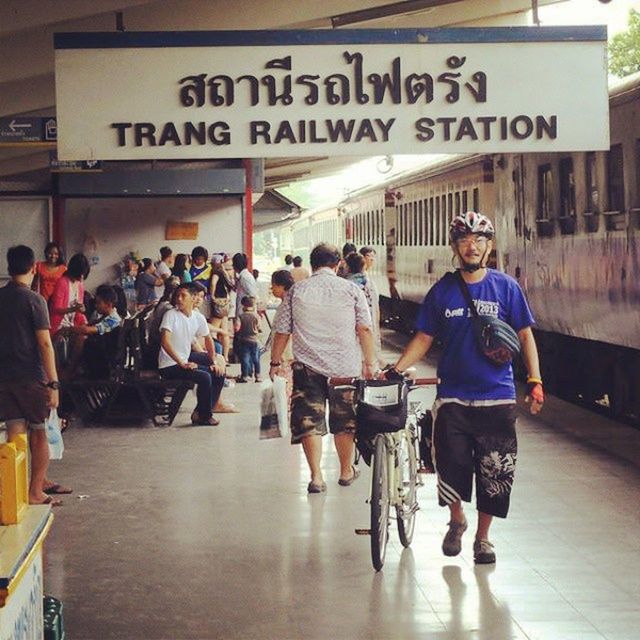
28 380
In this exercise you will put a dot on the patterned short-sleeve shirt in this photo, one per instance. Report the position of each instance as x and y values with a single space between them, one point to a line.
322 314
106 324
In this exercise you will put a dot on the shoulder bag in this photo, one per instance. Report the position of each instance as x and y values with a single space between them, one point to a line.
496 339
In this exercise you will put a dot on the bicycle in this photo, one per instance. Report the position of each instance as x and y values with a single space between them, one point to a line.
383 412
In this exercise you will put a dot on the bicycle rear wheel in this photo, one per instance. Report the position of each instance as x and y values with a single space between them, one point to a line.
379 502
407 479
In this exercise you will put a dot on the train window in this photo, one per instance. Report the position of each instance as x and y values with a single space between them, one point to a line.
637 159
443 221
518 197
457 200
593 197
425 214
465 201
414 225
476 199
408 229
372 227
407 222
545 192
615 174
567 197
403 234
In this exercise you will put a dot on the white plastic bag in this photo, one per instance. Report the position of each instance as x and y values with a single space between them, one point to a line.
282 403
54 436
269 419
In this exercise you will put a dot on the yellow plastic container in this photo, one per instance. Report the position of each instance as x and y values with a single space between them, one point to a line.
14 480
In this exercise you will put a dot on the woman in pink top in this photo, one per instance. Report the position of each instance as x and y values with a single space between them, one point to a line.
49 271
66 304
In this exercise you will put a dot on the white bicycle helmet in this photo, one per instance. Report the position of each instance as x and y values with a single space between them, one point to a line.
470 222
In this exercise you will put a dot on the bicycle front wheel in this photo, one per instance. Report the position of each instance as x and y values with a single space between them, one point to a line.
379 503
407 479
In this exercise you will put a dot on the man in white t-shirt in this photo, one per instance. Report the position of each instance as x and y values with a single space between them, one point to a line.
163 269
180 327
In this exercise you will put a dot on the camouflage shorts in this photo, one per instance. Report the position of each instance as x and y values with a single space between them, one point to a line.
308 405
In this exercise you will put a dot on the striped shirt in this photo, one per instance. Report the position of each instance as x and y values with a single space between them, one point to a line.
322 314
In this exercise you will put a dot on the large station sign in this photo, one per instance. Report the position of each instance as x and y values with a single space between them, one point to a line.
180 95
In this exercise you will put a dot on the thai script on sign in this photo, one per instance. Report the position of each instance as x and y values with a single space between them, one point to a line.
357 87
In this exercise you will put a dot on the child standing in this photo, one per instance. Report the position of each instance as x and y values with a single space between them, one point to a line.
247 340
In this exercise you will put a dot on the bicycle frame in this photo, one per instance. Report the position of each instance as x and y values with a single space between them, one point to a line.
394 467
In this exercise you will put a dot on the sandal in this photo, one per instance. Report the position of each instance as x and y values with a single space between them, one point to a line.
197 421
349 481
57 489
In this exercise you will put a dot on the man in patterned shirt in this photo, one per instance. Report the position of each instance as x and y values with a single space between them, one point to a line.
329 320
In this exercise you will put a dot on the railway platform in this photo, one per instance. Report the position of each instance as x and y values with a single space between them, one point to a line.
209 533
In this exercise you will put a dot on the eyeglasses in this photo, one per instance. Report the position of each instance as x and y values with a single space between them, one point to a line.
478 241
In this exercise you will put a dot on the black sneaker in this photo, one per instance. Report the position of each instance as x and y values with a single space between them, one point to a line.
483 552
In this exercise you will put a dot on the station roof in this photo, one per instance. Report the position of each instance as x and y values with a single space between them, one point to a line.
27 84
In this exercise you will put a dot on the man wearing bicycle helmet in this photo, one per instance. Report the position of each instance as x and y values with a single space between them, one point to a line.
475 411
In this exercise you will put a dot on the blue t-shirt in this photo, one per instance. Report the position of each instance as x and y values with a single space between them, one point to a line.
465 373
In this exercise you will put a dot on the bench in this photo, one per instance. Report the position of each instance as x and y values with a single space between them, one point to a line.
128 393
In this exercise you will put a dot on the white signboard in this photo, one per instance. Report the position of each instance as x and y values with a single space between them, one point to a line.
22 617
126 96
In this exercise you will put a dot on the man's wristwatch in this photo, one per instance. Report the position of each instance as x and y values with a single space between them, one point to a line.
275 364
54 384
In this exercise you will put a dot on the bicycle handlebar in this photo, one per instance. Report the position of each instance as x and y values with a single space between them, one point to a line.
414 382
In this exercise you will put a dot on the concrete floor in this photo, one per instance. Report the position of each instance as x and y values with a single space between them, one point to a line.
200 532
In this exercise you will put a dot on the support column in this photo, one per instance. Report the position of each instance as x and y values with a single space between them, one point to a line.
57 220
248 212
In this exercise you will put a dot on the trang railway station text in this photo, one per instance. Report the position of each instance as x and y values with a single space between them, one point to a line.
327 131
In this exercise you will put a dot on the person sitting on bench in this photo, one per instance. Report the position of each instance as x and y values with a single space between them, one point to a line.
94 342
179 329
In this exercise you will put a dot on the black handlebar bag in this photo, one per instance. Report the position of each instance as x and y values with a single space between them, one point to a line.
496 339
381 408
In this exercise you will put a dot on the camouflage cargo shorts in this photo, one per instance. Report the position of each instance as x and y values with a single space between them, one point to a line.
308 405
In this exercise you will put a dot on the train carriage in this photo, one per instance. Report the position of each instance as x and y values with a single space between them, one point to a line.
567 228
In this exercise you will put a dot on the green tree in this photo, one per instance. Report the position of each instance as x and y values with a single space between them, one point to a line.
624 48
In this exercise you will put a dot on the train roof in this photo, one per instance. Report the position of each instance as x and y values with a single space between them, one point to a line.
627 89
622 91
445 165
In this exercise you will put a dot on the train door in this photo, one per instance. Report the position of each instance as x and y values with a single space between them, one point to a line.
391 236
